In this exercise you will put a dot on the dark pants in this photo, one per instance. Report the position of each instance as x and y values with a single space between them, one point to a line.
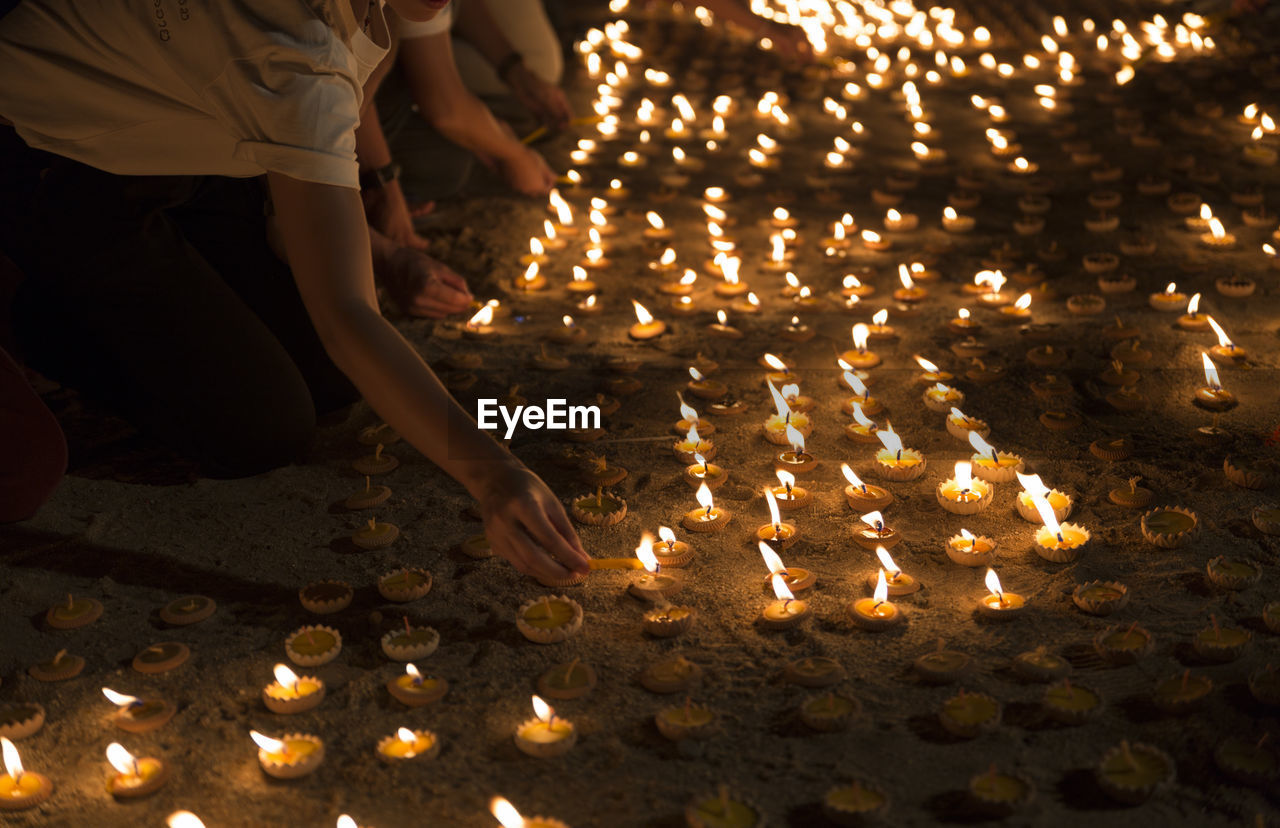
161 296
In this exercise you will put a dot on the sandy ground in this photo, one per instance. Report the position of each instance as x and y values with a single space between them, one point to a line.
135 530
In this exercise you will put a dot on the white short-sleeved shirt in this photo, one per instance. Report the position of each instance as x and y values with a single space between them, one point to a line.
192 87
441 23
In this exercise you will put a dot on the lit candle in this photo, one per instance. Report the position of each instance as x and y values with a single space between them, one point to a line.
898 582
991 465
909 292
646 326
860 357
863 496
722 328
703 388
136 715
1225 349
545 735
967 549
707 518
999 605
1056 542
1213 396
786 611
652 584
932 374
290 756
1019 311
413 689
683 287
509 817
693 444
1169 300
876 613
962 494
1032 485
531 279
291 693
775 427
731 286
942 398
20 789
795 460
952 222
894 461
961 425
775 531
408 744
580 283
134 777
875 533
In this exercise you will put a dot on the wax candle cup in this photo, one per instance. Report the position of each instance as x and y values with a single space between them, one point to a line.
1123 645
162 657
1041 665
19 720
999 605
290 756
668 621
546 735
375 535
1101 597
855 803
1248 761
326 597
1220 644
1000 794
875 532
404 585
599 509
409 642
190 609
876 613
134 777
20 789
137 715
408 744
1169 526
708 517
814 671
963 494
829 712
1071 704
509 817
1245 474
312 646
1132 773
1180 694
969 714
701 472
61 667
942 666
1232 573
686 721
73 613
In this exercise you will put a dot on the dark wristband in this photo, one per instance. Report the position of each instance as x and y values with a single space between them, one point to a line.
379 176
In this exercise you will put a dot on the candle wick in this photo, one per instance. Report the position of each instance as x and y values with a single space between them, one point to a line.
995 458
1060 538
899 456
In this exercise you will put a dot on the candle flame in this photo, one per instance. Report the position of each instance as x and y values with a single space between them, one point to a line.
186 819
967 535
1206 212
687 412
851 476
871 236
542 710
655 220
874 519
949 213
1171 289
722 317
1223 340
779 401
535 247
904 276
713 193
121 759
786 479
993 583
880 317
266 742
505 813
1032 484
406 735
1210 372
692 437
689 277
1194 305
994 280
668 537
642 314
860 333
780 588
881 594
704 497
889 439
859 388
12 761
284 676
1215 228
412 671
591 301
964 475
775 363
887 562
564 213
792 279
695 373
1024 302
729 267
481 318
774 518
645 553
118 699
963 313
796 439
981 446
925 364
778 247
1046 512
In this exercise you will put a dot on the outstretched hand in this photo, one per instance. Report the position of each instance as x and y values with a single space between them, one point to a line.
527 525
423 286
545 100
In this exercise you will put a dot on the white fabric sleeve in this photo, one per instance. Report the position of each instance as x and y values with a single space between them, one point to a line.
442 22
291 117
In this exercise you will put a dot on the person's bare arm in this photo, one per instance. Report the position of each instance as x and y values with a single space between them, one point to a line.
460 116
327 243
